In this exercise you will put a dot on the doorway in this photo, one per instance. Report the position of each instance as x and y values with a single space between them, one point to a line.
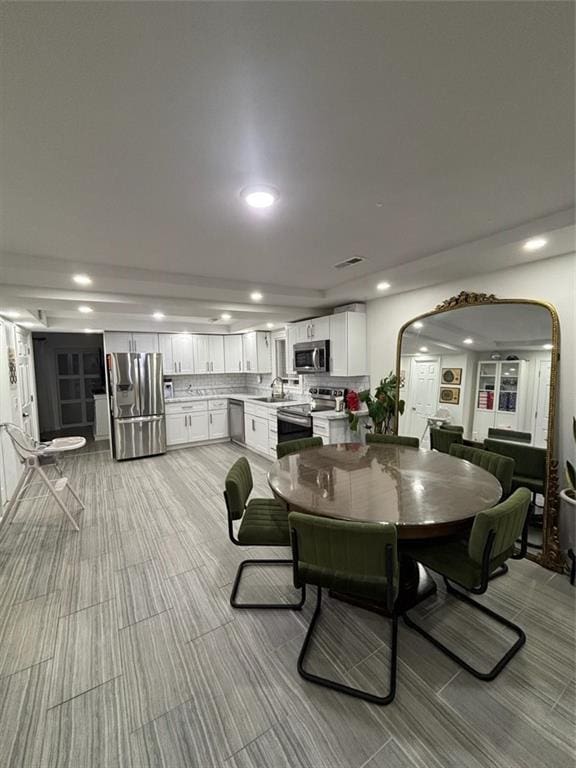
422 394
69 372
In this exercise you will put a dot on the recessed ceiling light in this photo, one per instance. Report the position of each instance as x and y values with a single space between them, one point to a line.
418 324
84 309
259 196
82 279
158 315
423 349
269 325
535 244
383 286
226 316
468 341
547 346
10 313
29 324
256 296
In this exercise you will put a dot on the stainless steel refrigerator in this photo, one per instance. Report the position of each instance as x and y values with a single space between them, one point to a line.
137 404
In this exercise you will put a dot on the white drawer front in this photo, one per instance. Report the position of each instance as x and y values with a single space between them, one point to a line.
217 405
321 428
198 405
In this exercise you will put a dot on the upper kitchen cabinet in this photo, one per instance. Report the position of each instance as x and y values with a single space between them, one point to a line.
121 341
233 354
182 353
318 329
209 353
348 344
165 348
257 351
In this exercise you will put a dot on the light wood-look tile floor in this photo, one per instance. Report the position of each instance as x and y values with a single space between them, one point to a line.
118 646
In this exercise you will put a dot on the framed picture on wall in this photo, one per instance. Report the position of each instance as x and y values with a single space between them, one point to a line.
450 395
451 375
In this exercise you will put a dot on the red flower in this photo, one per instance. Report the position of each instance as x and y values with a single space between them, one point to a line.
353 401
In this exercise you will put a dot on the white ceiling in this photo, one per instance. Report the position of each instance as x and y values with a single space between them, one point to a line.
421 136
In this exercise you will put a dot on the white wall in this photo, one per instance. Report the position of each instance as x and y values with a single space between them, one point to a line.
552 280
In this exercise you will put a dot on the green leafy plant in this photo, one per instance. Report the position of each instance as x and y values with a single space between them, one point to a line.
382 406
570 469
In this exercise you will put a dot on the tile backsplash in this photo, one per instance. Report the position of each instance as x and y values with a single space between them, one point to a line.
215 383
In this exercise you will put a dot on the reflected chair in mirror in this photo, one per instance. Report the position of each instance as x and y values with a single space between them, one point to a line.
470 564
502 467
263 523
295 446
529 464
509 434
408 442
452 428
359 559
442 439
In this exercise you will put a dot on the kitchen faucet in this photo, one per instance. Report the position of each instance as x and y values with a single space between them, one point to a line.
281 387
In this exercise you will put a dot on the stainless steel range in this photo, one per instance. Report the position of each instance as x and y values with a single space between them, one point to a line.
295 421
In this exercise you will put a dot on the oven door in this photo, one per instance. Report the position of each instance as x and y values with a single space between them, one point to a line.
293 427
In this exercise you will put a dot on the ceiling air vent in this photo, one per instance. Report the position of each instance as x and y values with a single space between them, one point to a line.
349 262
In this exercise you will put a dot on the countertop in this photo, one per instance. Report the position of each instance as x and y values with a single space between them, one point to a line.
236 396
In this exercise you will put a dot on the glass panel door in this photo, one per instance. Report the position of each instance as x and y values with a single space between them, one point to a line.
508 394
78 375
486 386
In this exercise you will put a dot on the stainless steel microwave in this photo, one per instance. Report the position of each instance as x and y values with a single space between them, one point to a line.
312 357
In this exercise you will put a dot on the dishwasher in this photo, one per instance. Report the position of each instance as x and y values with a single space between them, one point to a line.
236 419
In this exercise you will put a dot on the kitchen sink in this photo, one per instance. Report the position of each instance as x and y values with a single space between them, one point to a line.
272 399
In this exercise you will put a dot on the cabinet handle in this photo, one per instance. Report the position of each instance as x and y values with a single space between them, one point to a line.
179 367
239 365
253 427
175 367
211 367
210 418
134 345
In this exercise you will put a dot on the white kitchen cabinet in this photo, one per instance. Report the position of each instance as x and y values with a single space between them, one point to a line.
183 353
291 335
144 342
256 432
257 351
198 427
208 353
233 354
124 341
218 424
348 344
176 428
165 348
217 354
318 329
117 341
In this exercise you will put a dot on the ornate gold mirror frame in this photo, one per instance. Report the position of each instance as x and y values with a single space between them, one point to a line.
551 556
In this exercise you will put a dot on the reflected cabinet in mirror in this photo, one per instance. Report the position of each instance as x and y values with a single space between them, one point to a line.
482 372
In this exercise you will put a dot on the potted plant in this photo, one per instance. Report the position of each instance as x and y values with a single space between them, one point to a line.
568 496
381 407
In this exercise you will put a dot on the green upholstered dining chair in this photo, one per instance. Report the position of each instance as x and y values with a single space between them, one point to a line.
502 467
529 464
263 523
359 559
453 428
509 434
470 564
442 439
409 442
295 446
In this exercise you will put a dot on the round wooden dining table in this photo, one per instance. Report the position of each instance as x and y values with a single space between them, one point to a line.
426 494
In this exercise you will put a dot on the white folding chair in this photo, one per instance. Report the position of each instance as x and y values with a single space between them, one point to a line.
34 455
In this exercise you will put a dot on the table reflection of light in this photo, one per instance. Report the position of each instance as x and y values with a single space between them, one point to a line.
417 487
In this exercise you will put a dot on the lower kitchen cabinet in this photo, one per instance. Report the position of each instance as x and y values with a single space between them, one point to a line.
256 432
218 424
187 426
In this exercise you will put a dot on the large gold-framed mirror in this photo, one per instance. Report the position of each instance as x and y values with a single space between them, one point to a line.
484 371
